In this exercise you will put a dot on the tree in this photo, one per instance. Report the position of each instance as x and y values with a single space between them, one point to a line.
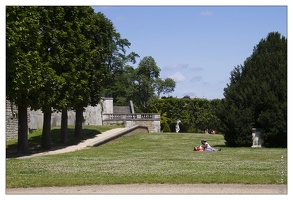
23 65
52 53
146 73
168 86
257 96
120 82
94 34
164 86
66 53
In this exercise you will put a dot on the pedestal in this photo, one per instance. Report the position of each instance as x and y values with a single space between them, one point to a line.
257 141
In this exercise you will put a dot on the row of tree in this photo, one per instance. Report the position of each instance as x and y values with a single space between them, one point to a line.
56 58
64 57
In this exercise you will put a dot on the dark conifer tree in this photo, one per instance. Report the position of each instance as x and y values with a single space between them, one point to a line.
257 96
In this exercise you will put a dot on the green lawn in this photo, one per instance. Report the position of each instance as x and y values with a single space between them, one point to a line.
151 158
34 139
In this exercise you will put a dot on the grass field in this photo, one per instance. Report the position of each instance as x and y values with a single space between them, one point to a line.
34 139
151 158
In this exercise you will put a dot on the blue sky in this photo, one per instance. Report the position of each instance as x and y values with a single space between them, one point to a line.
197 46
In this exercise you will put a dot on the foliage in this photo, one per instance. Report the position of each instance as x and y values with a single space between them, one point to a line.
164 86
164 123
195 114
57 58
257 96
145 75
139 84
23 67
168 86
120 82
151 158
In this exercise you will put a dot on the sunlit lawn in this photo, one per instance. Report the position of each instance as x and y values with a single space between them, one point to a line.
151 158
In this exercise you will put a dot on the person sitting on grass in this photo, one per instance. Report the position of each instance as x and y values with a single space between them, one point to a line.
198 148
207 146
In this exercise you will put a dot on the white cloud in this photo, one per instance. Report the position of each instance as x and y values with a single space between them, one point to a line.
178 77
206 13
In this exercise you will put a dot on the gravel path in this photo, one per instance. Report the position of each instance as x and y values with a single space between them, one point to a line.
156 189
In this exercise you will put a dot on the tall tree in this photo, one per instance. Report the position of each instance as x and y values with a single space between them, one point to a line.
92 74
52 54
120 80
23 66
146 74
257 96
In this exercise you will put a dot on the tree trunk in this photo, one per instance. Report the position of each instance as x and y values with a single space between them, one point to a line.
22 141
64 126
78 123
46 134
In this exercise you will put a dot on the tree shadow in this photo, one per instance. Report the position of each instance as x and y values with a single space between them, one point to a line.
219 145
34 142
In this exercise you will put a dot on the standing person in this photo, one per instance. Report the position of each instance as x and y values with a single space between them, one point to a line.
207 146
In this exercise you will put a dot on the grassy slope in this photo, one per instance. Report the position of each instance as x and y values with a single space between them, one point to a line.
34 139
151 158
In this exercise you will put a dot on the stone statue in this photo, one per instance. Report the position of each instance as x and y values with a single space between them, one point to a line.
177 125
257 141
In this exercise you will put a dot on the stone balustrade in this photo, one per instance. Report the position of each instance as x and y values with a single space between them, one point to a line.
137 116
150 120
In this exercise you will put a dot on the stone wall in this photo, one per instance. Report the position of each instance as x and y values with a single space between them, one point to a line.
153 126
11 121
92 116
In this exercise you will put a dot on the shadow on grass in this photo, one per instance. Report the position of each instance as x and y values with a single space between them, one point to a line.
221 145
34 142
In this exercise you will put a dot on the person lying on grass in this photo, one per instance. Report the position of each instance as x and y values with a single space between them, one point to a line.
206 147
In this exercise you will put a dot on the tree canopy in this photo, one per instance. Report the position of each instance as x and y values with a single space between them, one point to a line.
56 58
257 96
142 84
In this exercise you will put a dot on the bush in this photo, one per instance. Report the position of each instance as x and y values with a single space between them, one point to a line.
166 127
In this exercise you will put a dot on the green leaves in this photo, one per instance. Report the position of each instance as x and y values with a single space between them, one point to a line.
23 65
195 114
257 91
